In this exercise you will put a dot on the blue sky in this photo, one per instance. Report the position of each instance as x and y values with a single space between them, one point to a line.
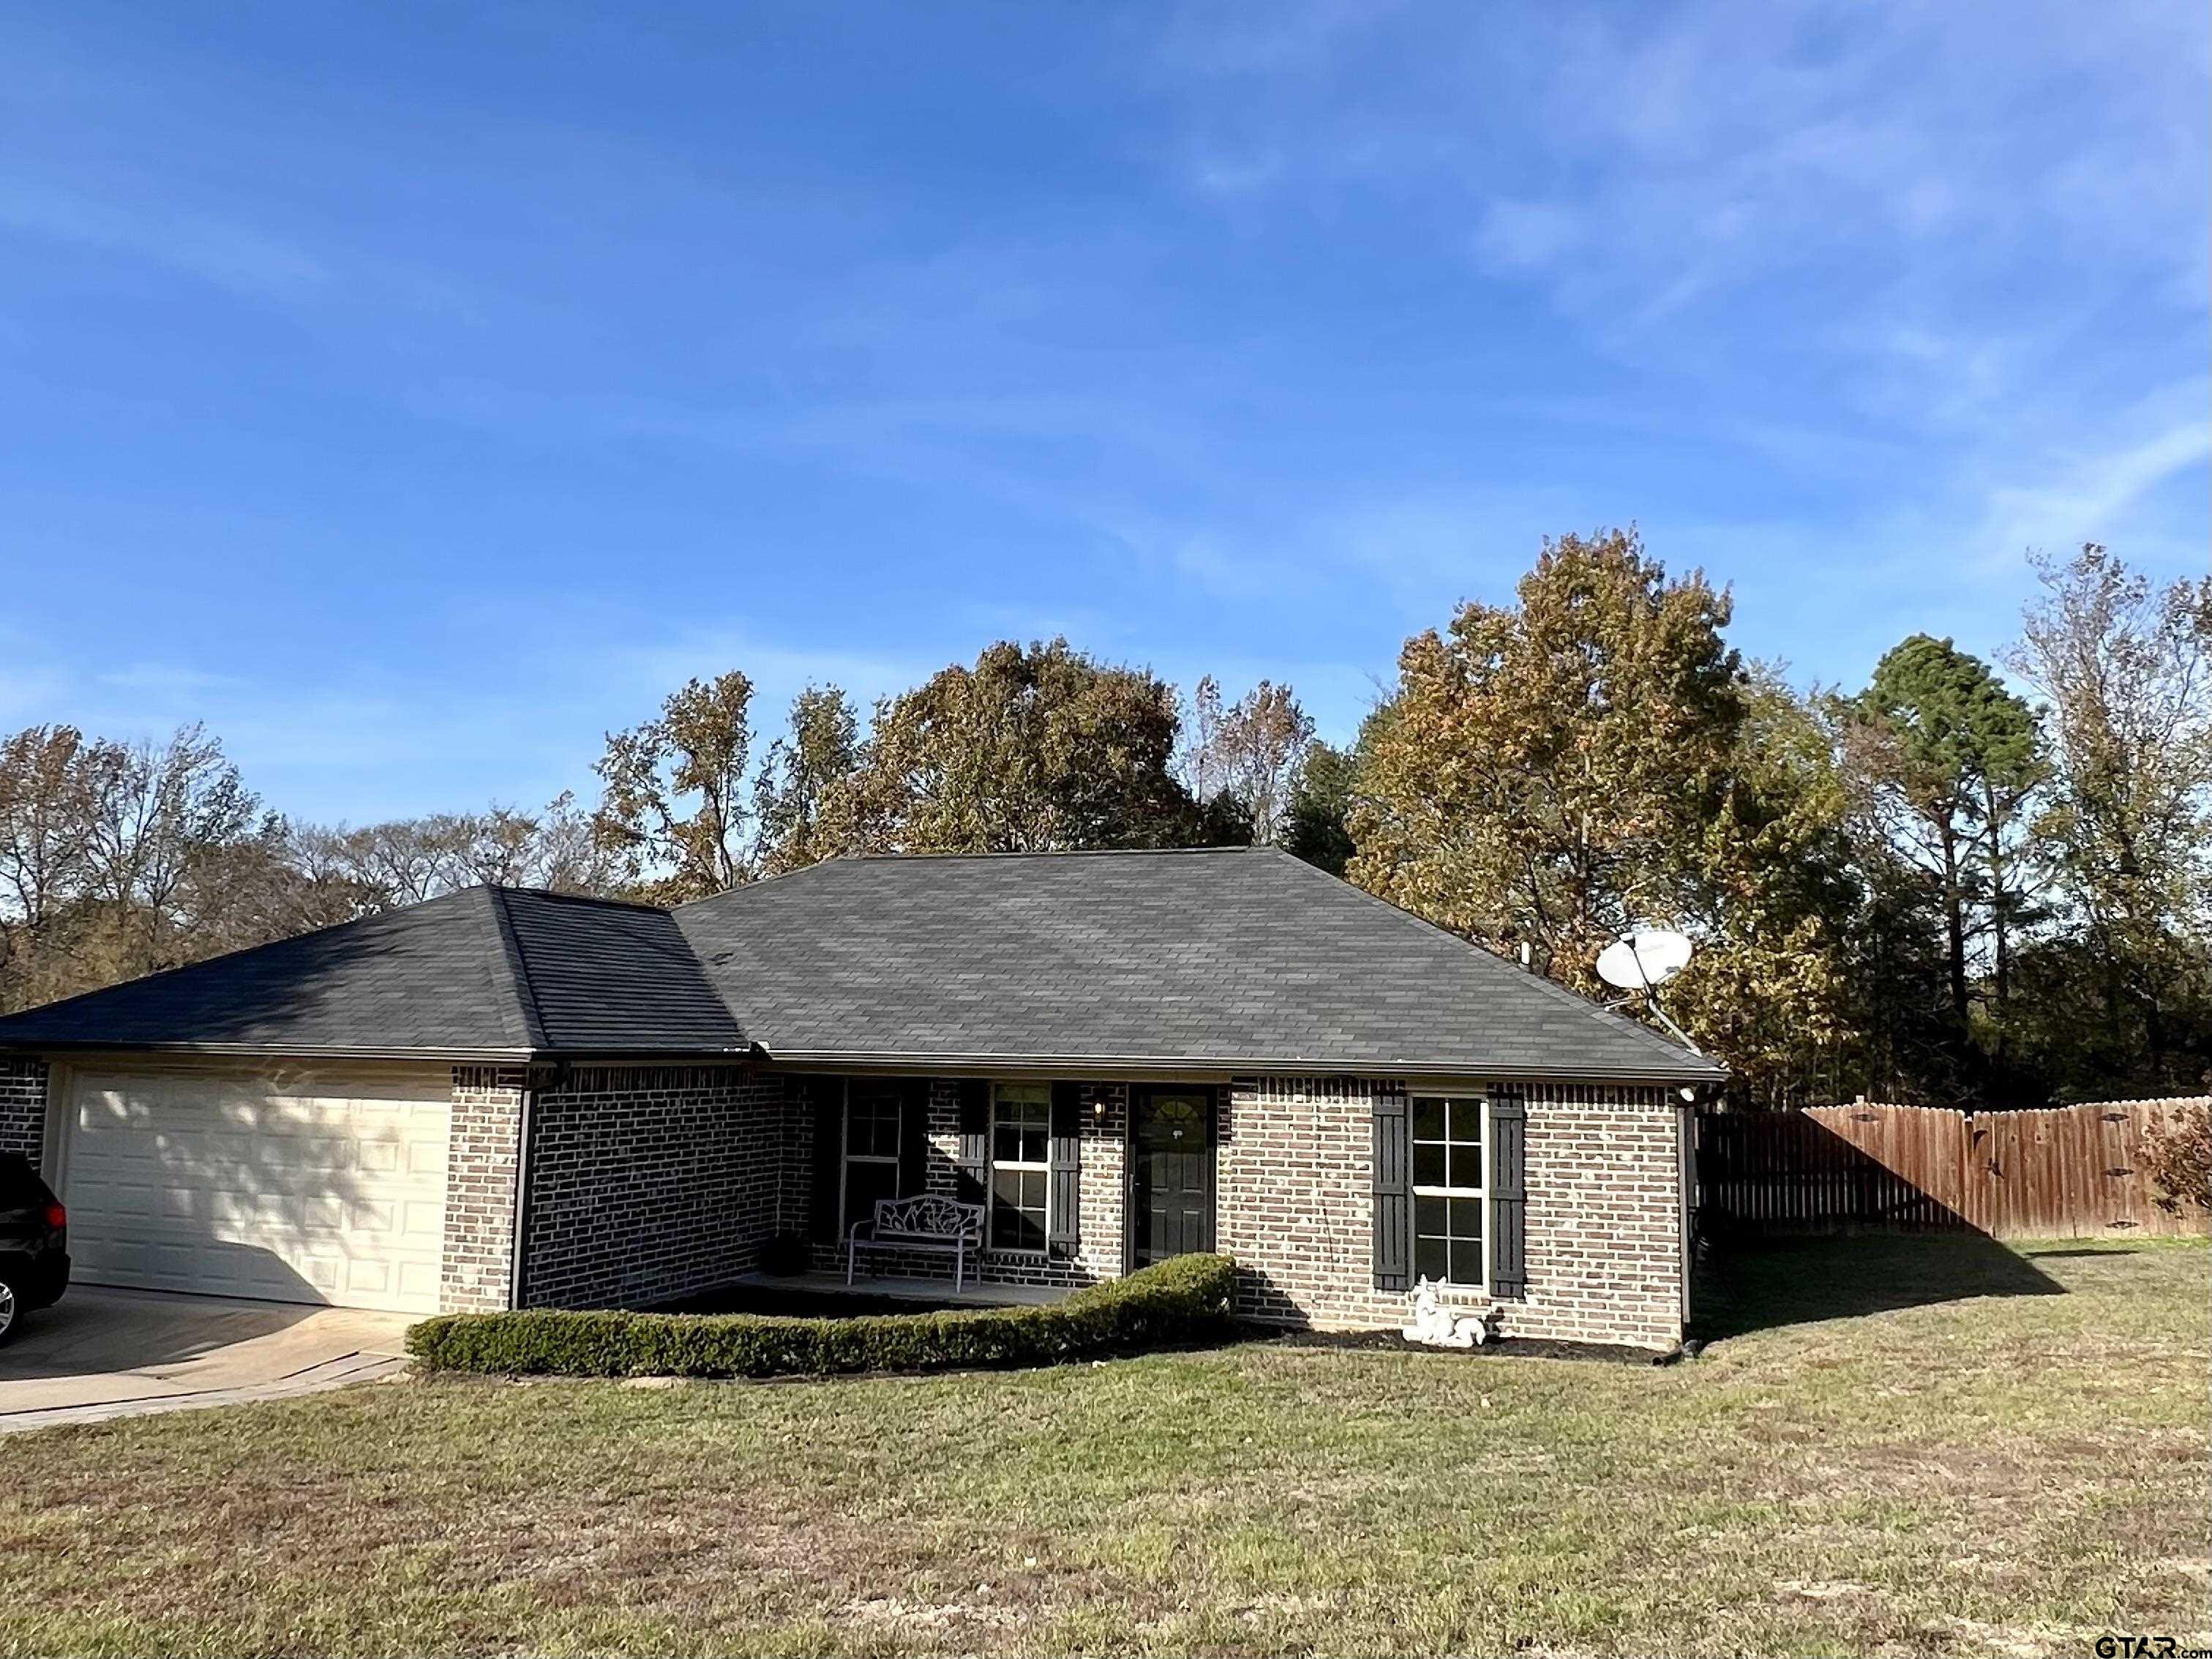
415 392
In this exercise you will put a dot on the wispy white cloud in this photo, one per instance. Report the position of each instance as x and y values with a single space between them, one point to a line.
1293 325
650 668
28 695
231 254
1927 268
1529 236
2100 493
168 680
1618 154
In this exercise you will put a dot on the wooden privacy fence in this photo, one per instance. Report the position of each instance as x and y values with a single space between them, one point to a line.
2069 1172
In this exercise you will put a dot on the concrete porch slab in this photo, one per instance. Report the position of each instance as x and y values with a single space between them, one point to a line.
912 1289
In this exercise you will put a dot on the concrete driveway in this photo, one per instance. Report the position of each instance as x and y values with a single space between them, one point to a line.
102 1353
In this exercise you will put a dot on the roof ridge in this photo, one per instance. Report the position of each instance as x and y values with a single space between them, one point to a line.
949 858
525 993
1559 991
1052 853
765 881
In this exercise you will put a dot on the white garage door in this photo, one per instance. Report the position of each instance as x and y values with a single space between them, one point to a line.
332 1190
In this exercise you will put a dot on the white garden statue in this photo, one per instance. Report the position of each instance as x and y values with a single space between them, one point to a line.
1438 1326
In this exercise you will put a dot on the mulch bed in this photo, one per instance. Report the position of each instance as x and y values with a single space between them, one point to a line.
1506 1347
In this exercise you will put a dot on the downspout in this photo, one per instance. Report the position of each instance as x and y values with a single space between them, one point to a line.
1685 1152
533 1025
520 1249
526 1155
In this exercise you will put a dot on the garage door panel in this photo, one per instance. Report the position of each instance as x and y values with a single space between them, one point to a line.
418 1282
132 1200
317 1193
368 1279
378 1157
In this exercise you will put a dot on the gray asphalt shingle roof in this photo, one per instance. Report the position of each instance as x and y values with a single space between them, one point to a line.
604 976
1224 958
491 970
1230 957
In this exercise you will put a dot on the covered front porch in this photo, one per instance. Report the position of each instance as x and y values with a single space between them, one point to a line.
1075 1181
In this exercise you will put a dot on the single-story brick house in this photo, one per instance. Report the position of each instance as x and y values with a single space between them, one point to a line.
504 1097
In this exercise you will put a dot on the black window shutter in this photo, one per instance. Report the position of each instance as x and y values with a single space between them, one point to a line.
828 1095
1509 1197
1065 1209
975 1140
913 1137
1393 1194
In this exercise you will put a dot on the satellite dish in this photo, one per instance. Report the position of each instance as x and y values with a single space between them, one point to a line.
1646 959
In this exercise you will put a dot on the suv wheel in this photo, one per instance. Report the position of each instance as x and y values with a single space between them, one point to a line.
11 1308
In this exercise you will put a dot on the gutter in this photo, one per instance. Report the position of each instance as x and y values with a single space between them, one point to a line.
750 1054
1118 1065
1109 1066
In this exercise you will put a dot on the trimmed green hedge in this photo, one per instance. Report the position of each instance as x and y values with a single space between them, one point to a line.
1182 1300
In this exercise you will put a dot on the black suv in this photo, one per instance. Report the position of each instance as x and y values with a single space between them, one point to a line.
35 1262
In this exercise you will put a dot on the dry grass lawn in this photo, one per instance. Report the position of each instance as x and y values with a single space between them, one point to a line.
1907 1447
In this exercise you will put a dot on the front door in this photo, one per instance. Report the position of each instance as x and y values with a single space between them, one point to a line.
1170 1173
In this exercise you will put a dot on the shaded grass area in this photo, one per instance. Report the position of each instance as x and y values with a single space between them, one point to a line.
1794 1282
2001 1473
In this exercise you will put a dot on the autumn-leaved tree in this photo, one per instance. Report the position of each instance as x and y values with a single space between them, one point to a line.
1772 897
121 859
406 861
159 810
45 813
263 886
673 818
1249 750
1037 748
814 757
2126 666
1552 772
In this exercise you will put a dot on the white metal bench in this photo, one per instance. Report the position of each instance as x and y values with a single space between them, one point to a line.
931 1225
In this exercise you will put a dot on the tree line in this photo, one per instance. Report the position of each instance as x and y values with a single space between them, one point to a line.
1945 885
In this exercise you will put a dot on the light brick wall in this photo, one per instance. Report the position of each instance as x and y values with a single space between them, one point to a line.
1104 1180
476 1274
649 1183
1604 1245
1293 1204
1604 1216
23 1107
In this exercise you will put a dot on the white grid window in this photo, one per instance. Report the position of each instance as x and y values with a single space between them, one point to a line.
873 1113
1451 1191
1021 1165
